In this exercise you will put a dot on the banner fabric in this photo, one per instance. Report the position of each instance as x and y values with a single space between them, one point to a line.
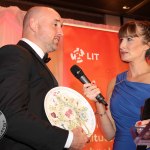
96 52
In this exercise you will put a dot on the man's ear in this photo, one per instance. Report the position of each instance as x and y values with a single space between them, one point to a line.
33 24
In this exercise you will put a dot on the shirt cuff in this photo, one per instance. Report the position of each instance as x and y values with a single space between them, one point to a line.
69 140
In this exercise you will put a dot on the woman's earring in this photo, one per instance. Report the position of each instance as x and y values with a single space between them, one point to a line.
147 55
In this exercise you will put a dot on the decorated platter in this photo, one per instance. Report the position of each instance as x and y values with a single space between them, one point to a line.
67 109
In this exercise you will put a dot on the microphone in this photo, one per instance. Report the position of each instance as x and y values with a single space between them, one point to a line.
79 74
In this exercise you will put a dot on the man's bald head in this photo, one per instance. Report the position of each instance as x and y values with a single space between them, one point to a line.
42 26
37 12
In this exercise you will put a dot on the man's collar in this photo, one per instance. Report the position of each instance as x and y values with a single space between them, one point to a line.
35 47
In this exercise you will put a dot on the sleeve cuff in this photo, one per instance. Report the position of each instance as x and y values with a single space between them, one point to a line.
69 140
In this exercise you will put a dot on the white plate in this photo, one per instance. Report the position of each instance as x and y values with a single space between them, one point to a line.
66 108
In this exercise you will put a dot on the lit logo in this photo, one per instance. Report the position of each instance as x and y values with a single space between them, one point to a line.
78 54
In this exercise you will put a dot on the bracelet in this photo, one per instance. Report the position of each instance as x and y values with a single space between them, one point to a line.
102 114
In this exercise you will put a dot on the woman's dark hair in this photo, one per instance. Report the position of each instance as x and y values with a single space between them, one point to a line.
136 29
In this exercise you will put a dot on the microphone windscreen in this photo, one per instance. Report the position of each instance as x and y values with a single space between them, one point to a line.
76 71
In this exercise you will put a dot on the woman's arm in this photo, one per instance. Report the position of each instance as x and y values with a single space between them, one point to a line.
105 119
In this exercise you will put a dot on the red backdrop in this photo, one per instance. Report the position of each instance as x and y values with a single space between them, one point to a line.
97 53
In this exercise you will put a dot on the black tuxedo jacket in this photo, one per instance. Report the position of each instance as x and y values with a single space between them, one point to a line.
24 82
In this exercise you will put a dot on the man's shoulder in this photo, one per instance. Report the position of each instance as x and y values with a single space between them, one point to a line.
8 46
14 50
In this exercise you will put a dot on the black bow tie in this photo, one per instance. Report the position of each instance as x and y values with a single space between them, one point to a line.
46 59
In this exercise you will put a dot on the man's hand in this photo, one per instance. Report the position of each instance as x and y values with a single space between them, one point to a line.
79 139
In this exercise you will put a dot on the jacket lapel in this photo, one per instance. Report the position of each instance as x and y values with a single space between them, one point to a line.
24 45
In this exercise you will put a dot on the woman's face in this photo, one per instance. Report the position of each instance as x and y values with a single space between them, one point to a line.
132 49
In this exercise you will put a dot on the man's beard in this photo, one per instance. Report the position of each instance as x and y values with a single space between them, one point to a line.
53 47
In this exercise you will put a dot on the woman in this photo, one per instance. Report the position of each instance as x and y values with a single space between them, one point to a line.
128 91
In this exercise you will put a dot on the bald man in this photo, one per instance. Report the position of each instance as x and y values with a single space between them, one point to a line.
25 80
